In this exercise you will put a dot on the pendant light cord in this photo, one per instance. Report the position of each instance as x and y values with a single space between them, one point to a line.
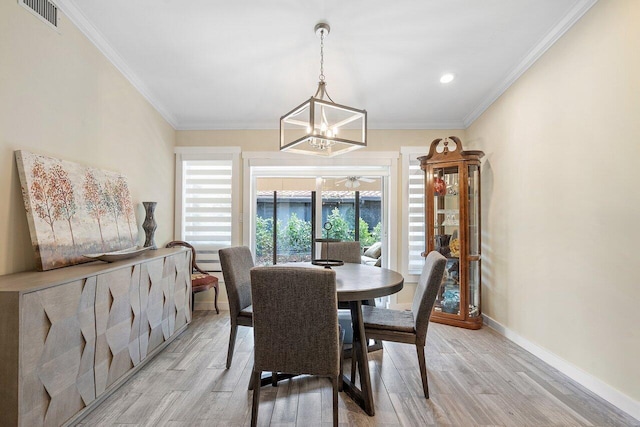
321 77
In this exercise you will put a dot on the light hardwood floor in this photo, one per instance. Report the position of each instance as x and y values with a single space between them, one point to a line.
475 378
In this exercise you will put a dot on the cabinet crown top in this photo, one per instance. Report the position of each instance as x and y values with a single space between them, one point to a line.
449 149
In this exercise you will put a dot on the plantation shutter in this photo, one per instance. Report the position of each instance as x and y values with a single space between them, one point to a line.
416 228
207 208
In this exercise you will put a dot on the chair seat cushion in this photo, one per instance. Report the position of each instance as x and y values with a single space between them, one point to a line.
202 282
390 320
247 311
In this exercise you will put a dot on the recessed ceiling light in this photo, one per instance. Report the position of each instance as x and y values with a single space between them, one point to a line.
447 78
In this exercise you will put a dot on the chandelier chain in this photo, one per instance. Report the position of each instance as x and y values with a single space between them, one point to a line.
321 77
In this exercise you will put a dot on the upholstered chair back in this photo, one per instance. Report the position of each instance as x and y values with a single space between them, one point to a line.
236 263
426 292
343 251
295 320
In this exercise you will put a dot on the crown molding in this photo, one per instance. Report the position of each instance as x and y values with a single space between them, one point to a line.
229 126
449 125
534 54
91 32
444 124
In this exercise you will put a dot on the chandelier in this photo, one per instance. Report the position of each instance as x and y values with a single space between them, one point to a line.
319 126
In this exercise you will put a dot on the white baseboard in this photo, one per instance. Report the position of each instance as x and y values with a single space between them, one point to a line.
597 386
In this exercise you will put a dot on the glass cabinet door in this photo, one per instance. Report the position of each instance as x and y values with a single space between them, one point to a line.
473 233
446 235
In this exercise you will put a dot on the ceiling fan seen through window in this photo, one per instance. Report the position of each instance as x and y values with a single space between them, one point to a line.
353 181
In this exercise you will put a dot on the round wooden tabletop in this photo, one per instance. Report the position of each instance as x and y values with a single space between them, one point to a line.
356 282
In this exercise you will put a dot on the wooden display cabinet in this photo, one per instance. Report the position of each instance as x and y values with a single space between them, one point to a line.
452 224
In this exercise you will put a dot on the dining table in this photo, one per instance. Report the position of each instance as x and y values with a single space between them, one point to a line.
356 283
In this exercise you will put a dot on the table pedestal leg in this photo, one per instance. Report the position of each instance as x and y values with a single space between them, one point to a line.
364 396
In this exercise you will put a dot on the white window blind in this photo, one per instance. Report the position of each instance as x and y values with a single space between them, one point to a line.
415 217
207 208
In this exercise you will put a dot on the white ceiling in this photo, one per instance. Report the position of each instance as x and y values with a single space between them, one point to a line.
212 64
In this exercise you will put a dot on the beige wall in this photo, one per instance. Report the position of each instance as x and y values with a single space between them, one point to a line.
561 201
60 97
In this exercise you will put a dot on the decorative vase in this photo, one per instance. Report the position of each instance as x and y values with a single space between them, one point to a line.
442 244
451 302
149 225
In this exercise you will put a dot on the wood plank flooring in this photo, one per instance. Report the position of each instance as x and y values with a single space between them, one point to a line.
475 378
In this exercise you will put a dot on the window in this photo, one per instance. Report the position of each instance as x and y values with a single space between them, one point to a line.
206 203
413 210
334 183
292 202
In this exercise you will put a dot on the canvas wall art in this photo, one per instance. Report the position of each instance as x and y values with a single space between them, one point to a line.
74 210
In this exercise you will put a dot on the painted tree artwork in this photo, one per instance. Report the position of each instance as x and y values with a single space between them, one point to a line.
74 210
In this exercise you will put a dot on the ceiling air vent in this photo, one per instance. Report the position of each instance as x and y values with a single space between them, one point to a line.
46 10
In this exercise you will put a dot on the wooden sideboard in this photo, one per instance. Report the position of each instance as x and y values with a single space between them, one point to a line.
70 337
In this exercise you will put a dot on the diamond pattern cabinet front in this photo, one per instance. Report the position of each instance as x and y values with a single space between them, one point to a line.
178 269
57 353
117 325
165 287
69 336
153 291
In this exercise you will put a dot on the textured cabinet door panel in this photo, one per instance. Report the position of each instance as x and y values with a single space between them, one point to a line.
152 298
57 352
117 327
182 288
168 308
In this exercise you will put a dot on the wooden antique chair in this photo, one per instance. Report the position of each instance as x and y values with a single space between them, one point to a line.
200 279
409 326
304 299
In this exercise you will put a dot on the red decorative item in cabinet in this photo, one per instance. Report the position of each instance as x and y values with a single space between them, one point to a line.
439 186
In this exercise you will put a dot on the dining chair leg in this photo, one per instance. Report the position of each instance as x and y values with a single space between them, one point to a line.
193 307
340 377
232 344
256 398
423 369
274 379
215 299
334 383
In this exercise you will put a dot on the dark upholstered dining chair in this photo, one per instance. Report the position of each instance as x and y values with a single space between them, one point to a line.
304 299
409 326
349 252
200 280
236 263
343 251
